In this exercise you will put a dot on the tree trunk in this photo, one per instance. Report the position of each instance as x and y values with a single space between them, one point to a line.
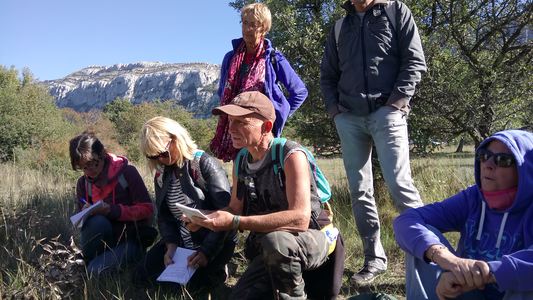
460 146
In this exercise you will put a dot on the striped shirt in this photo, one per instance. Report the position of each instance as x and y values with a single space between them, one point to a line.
176 195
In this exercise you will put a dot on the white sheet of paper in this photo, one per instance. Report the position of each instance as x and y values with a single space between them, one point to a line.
191 212
178 272
78 219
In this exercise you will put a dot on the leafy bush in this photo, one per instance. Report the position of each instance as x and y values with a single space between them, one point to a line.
128 119
32 128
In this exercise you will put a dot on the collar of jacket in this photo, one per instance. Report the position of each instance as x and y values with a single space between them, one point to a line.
236 42
348 6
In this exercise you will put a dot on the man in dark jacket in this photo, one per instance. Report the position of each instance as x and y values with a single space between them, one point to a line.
372 62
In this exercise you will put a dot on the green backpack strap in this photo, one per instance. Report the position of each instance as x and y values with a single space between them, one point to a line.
277 153
238 161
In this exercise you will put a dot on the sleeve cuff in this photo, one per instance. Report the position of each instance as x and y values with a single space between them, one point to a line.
114 212
333 110
398 100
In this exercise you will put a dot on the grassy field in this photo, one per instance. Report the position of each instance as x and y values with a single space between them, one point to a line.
40 260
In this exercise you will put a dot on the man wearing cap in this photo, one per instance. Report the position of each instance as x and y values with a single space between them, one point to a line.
283 239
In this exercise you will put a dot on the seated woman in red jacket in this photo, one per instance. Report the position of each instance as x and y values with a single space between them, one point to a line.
116 232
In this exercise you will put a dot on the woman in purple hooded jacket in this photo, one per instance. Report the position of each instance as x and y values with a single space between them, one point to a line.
494 255
254 65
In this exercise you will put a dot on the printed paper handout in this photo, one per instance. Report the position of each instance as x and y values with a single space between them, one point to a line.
178 272
78 219
191 212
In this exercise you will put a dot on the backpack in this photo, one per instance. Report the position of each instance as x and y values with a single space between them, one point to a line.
390 11
277 154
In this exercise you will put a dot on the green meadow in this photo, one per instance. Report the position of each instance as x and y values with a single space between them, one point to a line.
40 259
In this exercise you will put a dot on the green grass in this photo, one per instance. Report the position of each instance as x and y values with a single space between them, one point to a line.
39 261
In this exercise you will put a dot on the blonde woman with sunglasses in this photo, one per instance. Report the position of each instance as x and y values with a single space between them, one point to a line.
188 176
494 255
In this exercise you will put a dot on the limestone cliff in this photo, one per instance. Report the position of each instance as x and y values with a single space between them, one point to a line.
191 85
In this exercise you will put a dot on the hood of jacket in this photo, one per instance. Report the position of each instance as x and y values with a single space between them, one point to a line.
521 145
103 185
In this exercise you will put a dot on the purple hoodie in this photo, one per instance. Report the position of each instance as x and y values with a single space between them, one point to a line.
281 72
504 239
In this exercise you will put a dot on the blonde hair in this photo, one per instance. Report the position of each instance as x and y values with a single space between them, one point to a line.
154 139
261 13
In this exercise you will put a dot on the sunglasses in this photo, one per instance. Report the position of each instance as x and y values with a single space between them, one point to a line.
163 154
502 160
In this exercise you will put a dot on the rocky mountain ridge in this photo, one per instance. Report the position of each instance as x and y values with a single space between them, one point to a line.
191 85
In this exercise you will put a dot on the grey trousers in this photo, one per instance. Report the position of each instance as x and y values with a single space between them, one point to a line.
387 129
276 273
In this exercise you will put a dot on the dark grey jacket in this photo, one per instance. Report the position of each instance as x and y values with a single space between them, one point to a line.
374 65
215 196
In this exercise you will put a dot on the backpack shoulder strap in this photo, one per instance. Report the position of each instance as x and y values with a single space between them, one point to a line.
197 175
391 9
238 161
89 190
277 153
338 26
274 62
122 181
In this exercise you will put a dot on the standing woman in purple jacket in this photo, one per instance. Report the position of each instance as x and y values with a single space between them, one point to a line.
494 255
254 65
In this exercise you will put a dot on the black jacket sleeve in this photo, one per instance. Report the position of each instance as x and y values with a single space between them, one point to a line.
330 74
217 197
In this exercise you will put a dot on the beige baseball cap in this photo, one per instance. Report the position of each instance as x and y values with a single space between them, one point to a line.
248 103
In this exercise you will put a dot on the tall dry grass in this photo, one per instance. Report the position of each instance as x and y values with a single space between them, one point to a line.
40 259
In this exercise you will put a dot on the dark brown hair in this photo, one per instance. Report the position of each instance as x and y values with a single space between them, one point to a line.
85 146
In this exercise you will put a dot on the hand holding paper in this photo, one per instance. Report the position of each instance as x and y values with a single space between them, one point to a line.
179 271
78 219
191 212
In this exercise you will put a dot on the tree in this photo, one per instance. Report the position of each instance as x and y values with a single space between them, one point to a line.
479 66
479 60
299 31
28 115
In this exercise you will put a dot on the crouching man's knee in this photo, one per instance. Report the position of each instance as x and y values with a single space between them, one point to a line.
279 247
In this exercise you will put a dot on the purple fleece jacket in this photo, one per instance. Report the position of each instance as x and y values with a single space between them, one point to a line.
483 229
281 72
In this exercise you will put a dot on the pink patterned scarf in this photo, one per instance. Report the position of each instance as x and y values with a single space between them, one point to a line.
250 79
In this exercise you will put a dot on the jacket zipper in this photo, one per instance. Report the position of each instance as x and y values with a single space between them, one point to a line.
365 75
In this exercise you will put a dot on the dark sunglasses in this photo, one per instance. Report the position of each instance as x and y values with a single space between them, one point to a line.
163 154
503 160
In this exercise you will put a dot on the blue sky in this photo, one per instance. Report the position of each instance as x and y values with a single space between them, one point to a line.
54 38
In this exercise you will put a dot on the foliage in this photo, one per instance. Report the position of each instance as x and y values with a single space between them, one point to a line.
299 31
479 67
29 117
128 119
